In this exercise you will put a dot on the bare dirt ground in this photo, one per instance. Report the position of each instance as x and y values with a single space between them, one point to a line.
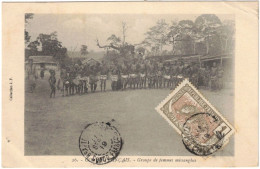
53 126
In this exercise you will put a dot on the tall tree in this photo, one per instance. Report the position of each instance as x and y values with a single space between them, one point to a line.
122 48
157 35
183 36
186 31
32 49
115 44
174 34
114 40
192 33
226 33
27 17
124 29
209 25
50 45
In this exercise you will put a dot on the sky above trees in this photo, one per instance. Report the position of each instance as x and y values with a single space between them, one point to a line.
76 30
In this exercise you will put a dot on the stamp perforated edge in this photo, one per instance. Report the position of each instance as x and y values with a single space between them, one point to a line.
182 84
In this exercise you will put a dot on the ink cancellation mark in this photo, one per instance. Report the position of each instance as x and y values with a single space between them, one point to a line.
100 143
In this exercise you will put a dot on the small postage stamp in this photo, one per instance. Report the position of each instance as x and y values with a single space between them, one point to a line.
203 129
100 143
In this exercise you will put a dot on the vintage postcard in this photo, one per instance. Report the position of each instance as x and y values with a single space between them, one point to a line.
130 84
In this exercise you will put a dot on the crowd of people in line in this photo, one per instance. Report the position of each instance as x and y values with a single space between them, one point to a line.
141 74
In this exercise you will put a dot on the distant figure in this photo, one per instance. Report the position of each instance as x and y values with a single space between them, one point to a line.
213 77
42 74
103 76
180 73
61 81
66 84
220 74
31 75
52 82
202 75
194 76
133 76
159 76
142 75
166 77
207 77
174 73
114 78
124 76
150 75
93 77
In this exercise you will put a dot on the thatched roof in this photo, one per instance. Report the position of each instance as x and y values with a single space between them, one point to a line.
42 59
217 57
90 61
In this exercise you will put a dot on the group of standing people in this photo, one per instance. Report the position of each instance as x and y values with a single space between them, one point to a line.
140 74
79 79
159 74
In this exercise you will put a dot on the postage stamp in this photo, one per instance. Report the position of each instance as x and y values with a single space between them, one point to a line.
203 128
200 136
100 143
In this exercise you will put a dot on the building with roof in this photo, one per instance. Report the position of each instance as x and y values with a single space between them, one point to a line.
90 61
43 62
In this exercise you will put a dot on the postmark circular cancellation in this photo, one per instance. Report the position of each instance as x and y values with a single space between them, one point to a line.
100 143
198 134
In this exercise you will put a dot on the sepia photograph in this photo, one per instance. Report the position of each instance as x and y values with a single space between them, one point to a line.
130 84
82 69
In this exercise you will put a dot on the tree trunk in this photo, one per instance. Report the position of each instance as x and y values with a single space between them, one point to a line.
124 32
